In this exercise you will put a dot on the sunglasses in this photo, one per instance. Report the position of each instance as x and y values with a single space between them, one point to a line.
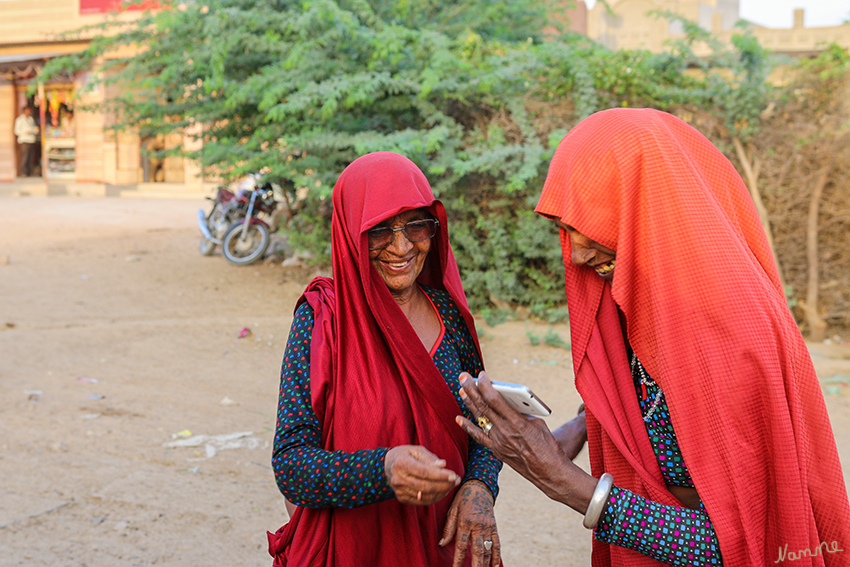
416 231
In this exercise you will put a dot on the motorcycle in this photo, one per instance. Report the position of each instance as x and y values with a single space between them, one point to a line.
233 222
227 208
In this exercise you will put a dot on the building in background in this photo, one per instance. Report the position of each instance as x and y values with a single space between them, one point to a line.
638 24
799 39
571 17
76 147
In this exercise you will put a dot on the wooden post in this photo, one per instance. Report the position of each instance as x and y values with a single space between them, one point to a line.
752 173
42 117
817 326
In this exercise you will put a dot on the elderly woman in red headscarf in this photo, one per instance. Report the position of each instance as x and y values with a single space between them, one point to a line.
708 435
366 452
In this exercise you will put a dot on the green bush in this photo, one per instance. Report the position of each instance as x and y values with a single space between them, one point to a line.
469 90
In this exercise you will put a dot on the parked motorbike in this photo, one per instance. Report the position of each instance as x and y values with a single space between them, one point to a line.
234 223
228 207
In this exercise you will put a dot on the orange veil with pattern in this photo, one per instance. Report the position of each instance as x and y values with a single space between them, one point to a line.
706 315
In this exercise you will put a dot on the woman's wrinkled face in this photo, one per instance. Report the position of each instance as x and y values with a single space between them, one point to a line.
587 252
401 262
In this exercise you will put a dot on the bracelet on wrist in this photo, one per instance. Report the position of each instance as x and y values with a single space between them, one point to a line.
598 501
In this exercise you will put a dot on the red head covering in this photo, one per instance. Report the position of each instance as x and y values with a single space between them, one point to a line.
373 383
707 317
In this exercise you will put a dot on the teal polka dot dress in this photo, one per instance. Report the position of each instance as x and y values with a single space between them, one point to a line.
313 477
673 535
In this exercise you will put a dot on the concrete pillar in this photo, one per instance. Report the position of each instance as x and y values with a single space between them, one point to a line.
799 18
175 171
109 155
716 23
8 167
88 130
192 174
128 153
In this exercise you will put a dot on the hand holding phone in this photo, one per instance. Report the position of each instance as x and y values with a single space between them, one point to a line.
521 398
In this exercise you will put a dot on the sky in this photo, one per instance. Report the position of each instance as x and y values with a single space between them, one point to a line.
780 13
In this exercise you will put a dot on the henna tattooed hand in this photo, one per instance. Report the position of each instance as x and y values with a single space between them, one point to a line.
471 522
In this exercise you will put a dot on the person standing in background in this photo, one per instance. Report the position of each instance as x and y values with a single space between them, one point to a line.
27 132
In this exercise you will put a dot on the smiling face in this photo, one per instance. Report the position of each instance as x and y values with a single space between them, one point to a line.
587 252
400 263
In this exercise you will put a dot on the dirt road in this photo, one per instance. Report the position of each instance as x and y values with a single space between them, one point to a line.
118 338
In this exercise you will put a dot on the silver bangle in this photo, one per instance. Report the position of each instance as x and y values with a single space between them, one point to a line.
598 501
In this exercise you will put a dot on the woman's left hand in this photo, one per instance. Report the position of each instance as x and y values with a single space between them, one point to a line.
472 523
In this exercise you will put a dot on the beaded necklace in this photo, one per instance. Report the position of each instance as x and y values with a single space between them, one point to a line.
647 381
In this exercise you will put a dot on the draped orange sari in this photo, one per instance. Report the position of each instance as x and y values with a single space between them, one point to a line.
706 315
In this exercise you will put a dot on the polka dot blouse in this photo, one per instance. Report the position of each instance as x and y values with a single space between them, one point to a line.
313 477
669 534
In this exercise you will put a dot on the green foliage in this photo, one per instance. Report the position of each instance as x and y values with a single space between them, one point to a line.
789 297
551 338
464 88
495 317
821 78
512 21
550 314
732 83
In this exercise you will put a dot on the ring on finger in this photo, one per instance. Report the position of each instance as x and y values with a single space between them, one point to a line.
488 544
484 423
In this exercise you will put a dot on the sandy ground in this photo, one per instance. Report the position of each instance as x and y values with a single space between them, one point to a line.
116 336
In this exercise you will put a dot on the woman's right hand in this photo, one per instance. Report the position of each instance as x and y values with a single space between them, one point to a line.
525 444
417 476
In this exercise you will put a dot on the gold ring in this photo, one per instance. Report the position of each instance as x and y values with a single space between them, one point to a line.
485 424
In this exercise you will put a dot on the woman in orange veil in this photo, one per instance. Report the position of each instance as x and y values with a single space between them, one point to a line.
708 435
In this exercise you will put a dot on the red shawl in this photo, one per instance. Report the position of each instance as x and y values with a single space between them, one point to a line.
707 317
373 383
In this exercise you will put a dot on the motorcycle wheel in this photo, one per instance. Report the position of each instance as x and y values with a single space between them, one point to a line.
207 247
239 252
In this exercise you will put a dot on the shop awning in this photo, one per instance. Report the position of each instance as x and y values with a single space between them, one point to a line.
23 66
30 57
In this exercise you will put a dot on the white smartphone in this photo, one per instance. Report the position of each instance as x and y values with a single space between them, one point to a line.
521 398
